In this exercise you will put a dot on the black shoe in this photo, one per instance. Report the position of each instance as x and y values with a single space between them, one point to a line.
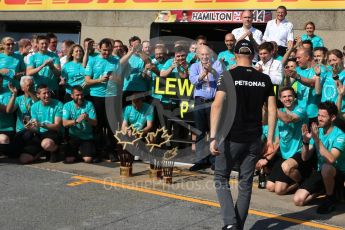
47 154
54 157
199 166
326 207
112 157
213 167
96 160
232 227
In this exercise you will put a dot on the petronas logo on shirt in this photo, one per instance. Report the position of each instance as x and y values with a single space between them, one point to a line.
340 139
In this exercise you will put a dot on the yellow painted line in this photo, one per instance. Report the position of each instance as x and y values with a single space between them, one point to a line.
80 182
204 202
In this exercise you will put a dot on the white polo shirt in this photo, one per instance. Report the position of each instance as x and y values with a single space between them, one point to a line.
257 35
274 69
281 33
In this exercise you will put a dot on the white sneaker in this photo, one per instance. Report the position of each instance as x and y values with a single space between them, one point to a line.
136 158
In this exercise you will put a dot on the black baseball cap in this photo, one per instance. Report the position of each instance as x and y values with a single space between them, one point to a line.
244 47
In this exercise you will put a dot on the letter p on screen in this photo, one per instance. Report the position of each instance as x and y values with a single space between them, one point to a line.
183 108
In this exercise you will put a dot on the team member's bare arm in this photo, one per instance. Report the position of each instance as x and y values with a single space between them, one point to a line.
167 72
307 149
287 55
32 71
310 82
341 92
88 45
131 51
148 127
272 119
89 81
55 126
124 126
82 117
216 110
287 117
268 157
318 87
125 58
10 106
329 156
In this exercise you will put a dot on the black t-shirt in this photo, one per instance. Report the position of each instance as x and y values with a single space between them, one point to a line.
252 90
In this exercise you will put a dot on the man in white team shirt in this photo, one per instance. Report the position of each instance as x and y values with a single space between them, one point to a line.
248 32
268 65
280 30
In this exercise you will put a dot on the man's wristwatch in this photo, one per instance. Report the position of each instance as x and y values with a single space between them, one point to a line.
212 139
305 143
298 77
336 77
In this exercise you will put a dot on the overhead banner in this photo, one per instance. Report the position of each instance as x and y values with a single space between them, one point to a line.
53 5
203 16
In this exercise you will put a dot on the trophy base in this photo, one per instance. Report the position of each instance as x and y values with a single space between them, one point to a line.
126 171
155 173
167 180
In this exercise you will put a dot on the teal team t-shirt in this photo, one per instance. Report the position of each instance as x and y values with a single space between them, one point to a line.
45 75
134 81
6 119
15 64
191 58
306 95
46 113
138 118
82 130
335 139
160 97
290 135
74 74
316 40
229 59
329 88
23 105
98 67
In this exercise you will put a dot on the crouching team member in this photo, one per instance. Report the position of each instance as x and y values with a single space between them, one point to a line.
139 114
329 143
80 117
288 171
22 105
45 126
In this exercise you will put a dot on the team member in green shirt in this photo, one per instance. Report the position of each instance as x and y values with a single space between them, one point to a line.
6 118
12 65
101 76
44 66
329 143
139 114
22 105
46 125
73 72
79 117
227 57
290 169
